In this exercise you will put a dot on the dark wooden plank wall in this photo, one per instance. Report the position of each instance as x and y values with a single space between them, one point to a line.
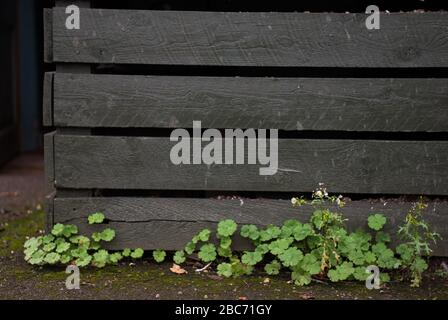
348 104
252 39
349 166
182 216
80 163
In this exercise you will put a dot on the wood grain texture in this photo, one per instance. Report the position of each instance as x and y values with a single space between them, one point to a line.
347 166
252 39
169 223
227 102
47 104
48 35
49 211
49 159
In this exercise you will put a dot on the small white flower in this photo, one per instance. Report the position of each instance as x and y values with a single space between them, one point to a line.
318 194
293 201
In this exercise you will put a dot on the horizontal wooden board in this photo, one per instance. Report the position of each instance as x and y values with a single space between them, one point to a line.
48 34
49 159
82 100
49 210
47 99
348 166
169 223
252 39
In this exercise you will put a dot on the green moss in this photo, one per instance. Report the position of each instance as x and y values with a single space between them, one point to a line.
15 232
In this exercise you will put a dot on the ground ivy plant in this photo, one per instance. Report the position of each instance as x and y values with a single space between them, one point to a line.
321 248
65 246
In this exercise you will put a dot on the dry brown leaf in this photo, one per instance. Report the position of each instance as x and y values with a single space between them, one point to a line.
177 269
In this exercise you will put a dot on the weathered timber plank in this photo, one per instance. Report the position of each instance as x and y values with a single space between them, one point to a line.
347 166
224 102
49 159
48 35
252 39
151 222
47 104
49 211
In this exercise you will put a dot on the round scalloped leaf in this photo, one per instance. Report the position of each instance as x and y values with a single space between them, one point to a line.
100 258
376 221
65 258
47 238
273 268
361 273
382 237
83 260
159 255
96 236
207 253
179 257
33 242
94 245
62 247
291 257
251 258
69 230
137 253
225 242
57 230
115 257
310 264
126 252
301 278
262 248
52 258
288 227
81 241
107 235
204 235
302 231
78 252
49 247
341 272
225 269
96 218
37 257
280 245
226 228
250 231
190 247
271 232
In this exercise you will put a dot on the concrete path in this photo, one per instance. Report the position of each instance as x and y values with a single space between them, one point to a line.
22 185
